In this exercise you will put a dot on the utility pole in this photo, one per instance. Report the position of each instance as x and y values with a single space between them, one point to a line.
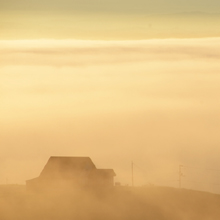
132 173
180 175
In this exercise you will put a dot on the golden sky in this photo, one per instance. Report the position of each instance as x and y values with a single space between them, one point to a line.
104 26
109 20
114 6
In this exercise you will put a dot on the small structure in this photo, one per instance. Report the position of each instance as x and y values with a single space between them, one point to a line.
72 172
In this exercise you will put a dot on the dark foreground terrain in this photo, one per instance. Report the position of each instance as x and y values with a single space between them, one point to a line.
137 203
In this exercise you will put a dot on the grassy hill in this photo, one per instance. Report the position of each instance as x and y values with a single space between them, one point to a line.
159 203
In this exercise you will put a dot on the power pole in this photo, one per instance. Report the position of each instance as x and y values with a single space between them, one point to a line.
132 173
180 175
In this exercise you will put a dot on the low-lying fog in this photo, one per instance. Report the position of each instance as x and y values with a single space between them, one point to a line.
121 203
153 102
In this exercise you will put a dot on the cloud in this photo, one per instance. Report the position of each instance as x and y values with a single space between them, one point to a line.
83 53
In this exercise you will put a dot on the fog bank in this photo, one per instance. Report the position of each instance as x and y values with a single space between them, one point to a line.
155 102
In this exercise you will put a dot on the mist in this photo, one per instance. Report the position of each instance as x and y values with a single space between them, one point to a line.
120 203
153 102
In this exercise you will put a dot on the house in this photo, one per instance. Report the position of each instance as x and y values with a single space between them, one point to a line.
72 172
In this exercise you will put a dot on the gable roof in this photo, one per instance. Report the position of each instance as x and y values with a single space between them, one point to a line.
65 166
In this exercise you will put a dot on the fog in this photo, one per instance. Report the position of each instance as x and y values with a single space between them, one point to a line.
153 102
121 203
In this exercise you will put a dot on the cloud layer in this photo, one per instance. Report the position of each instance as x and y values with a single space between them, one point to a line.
83 53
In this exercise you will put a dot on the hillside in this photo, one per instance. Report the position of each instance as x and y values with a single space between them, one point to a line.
160 203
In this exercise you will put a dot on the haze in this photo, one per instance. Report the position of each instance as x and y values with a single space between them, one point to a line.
154 102
117 81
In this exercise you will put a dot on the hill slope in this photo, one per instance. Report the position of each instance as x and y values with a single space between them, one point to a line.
158 203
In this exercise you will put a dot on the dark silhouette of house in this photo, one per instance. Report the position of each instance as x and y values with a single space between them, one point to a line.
73 172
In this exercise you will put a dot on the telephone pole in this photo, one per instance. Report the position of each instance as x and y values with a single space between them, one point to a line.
132 173
180 175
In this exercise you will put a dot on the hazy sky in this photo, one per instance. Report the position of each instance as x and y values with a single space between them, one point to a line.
126 6
109 19
155 102
106 26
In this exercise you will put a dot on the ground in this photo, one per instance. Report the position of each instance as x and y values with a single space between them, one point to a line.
149 202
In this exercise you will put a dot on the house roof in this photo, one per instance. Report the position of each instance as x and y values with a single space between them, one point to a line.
65 166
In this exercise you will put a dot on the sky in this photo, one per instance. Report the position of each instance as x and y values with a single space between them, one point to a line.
122 6
109 20
116 81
